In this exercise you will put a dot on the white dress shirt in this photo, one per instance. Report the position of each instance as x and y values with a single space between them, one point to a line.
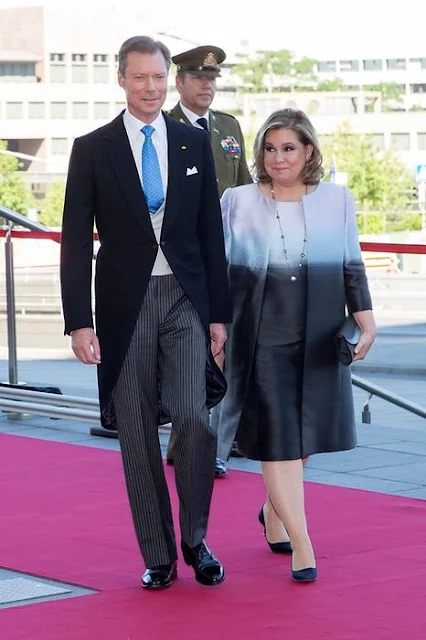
133 128
193 117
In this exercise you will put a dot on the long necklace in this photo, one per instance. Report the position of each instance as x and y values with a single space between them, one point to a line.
293 276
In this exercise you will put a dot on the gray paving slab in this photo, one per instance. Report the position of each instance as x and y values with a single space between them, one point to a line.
380 485
360 459
414 473
403 446
419 493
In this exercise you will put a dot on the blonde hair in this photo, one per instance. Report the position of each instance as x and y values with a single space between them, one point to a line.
298 122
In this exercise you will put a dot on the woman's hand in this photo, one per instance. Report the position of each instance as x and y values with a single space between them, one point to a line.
364 345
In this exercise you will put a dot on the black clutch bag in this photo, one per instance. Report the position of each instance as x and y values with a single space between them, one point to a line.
346 340
216 386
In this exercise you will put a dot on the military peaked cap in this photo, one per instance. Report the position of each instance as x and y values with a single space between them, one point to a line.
201 61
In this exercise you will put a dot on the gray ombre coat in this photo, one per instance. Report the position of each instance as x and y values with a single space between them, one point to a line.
336 279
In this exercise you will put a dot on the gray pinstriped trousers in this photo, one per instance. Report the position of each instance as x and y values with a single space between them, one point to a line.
168 347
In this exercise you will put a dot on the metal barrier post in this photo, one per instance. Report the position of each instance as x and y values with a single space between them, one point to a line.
10 298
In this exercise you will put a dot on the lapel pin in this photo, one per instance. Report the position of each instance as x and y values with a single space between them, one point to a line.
183 147
182 120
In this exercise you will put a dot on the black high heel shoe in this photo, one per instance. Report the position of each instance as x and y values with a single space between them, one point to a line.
304 575
275 547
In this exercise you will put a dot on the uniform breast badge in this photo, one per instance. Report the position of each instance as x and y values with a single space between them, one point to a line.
231 146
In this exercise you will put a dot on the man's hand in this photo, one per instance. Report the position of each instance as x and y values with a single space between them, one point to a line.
217 337
85 344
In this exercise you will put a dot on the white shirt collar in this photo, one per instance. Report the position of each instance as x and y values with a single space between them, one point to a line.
134 125
193 117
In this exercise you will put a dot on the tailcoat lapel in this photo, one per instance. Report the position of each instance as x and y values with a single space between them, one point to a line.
177 152
121 158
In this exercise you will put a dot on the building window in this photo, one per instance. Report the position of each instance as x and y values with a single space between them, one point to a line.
378 139
79 57
36 110
58 110
393 64
101 110
59 146
338 105
17 69
418 88
349 65
400 141
100 57
421 141
416 64
327 65
100 74
80 110
372 65
79 73
58 73
57 57
14 110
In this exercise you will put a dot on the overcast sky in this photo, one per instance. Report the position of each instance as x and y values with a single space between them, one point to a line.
330 28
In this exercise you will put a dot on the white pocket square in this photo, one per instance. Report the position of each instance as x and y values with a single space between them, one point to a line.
191 172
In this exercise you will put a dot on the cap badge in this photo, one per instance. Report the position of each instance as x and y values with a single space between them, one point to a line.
210 61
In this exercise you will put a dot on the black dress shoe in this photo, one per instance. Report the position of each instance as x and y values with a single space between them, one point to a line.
304 575
159 577
208 570
220 469
235 452
275 547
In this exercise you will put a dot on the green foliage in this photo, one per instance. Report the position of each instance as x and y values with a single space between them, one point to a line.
14 193
392 94
331 85
378 179
53 203
272 70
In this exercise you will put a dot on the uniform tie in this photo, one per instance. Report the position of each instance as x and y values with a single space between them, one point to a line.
151 175
203 123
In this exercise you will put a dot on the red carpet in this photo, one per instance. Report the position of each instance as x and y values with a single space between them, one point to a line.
64 515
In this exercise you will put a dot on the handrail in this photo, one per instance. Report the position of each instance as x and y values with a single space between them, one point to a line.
22 221
380 392
12 393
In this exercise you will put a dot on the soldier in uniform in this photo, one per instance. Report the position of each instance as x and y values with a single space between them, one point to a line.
197 70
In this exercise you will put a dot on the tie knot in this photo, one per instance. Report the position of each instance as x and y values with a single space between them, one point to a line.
203 123
147 130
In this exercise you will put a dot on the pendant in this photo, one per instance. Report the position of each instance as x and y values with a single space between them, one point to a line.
293 278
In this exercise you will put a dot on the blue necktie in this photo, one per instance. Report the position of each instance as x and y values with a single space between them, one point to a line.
151 175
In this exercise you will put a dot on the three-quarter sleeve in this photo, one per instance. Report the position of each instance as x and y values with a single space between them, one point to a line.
357 293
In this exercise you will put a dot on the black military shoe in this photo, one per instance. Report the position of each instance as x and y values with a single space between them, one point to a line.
208 569
220 469
159 577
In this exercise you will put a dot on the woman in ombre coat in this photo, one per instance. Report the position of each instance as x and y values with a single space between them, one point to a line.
295 266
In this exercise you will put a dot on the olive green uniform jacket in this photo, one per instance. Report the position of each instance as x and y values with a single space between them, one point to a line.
228 148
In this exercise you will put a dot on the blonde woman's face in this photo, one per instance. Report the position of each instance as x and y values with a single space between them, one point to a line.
284 156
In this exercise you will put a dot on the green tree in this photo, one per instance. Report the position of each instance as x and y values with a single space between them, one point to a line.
272 71
378 180
14 193
53 203
392 94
